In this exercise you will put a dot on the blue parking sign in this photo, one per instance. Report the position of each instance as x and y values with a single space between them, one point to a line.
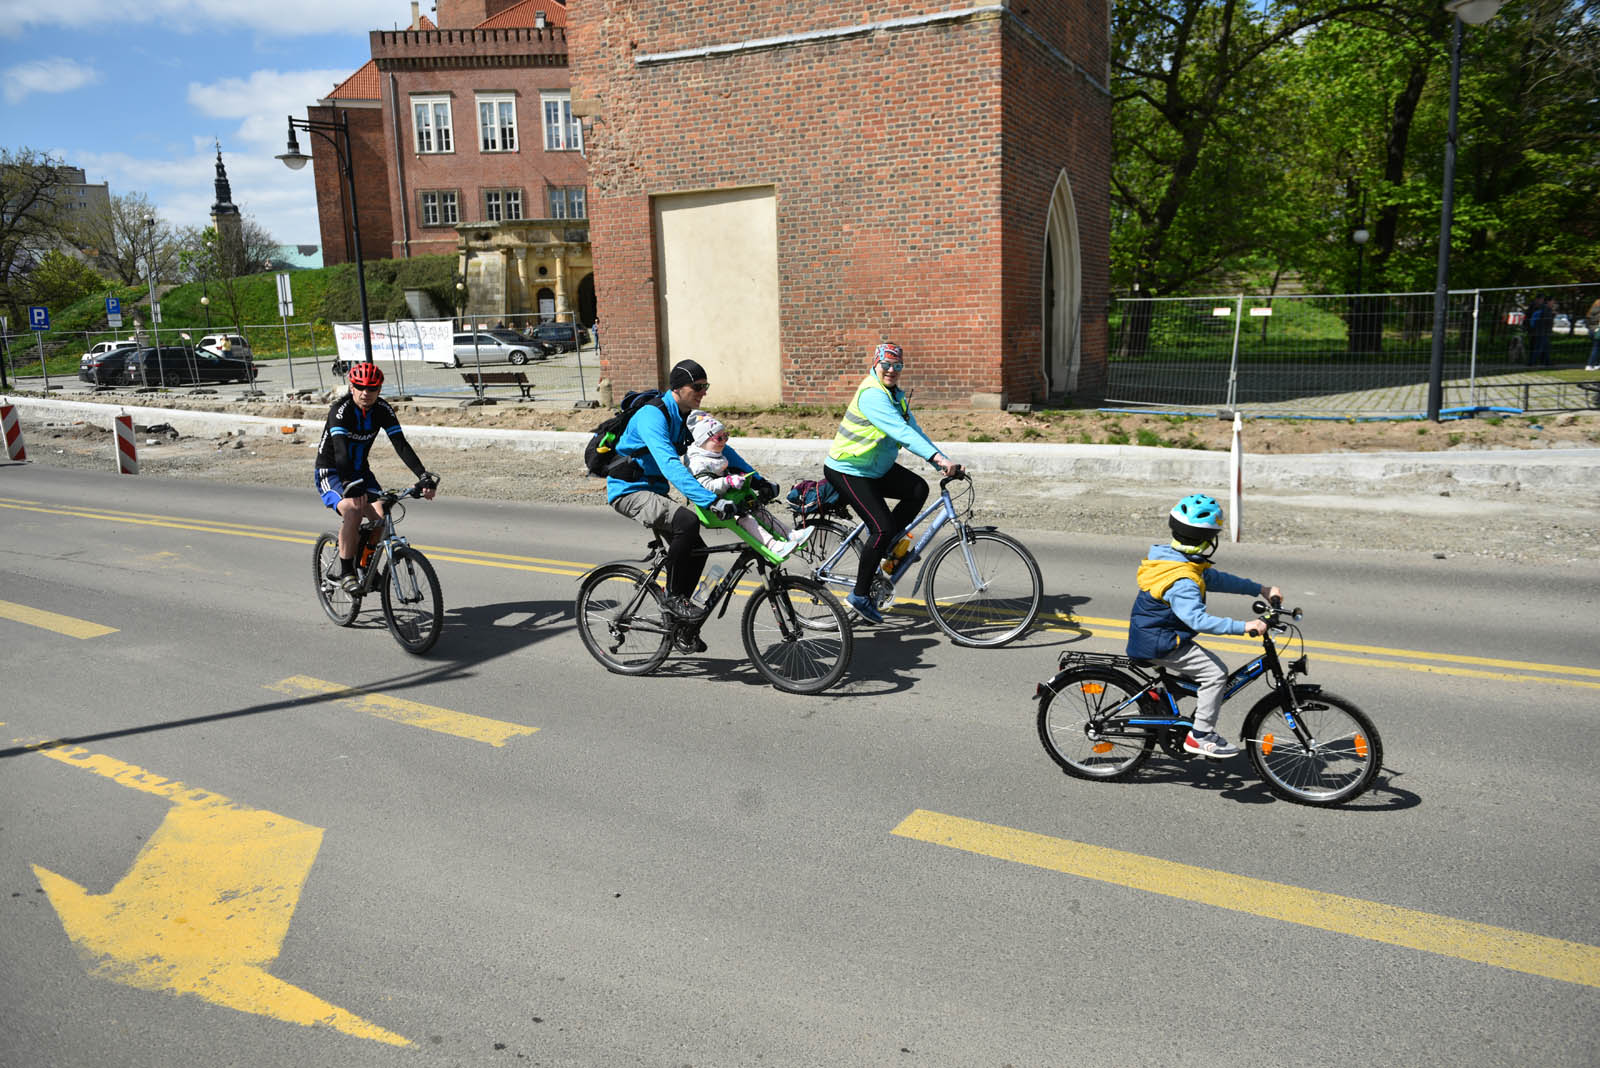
113 306
38 317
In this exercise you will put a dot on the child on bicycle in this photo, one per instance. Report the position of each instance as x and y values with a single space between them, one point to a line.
1171 609
706 463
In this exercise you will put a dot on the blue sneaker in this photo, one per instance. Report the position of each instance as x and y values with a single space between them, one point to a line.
864 608
1210 745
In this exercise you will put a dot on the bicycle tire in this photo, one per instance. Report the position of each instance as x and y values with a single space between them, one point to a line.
1346 760
1067 715
340 605
601 598
1006 605
826 535
785 642
412 604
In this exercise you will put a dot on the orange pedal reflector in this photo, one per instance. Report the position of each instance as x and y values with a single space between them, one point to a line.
1093 687
1102 747
1361 746
1267 741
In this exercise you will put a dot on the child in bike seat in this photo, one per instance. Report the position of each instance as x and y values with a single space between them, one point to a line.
706 463
1171 609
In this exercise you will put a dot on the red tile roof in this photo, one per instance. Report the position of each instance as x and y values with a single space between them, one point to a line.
364 84
555 14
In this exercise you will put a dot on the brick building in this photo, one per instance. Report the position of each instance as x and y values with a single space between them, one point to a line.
774 188
465 143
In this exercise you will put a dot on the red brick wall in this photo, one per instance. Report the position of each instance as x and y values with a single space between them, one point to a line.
889 155
368 149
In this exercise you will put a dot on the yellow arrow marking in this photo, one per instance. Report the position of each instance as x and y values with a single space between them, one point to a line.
205 907
461 724
38 617
1552 958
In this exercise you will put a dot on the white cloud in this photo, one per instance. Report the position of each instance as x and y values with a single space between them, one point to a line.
54 75
282 18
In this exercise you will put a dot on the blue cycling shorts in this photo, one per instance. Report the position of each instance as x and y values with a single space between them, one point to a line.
331 486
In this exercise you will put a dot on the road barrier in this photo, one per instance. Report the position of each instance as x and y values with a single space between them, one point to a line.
15 450
127 454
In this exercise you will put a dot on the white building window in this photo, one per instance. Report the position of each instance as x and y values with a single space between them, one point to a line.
567 203
440 207
430 118
502 205
562 132
497 123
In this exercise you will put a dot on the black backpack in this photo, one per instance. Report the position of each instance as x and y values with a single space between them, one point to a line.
600 456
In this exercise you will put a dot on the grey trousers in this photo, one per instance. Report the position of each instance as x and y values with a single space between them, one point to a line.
1206 669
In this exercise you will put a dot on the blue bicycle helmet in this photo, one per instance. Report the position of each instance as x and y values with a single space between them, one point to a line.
1196 523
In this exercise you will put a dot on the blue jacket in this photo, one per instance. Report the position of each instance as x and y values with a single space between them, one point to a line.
1171 607
656 438
901 431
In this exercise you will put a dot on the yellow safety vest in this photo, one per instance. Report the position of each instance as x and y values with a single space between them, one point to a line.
857 435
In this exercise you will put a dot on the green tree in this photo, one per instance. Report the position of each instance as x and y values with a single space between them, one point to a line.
31 220
59 280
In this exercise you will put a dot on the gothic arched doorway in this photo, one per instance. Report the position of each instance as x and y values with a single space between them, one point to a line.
1062 294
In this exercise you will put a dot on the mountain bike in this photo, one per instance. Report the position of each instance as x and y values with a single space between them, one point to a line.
1101 716
796 633
981 587
412 605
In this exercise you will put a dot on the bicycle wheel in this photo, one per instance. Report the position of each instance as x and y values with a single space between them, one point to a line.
826 537
412 604
788 644
1080 725
1341 762
340 606
621 621
1003 603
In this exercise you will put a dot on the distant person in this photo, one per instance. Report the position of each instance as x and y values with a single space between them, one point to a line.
1593 316
1541 322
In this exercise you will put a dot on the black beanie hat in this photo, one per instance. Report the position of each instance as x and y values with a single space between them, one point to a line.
685 372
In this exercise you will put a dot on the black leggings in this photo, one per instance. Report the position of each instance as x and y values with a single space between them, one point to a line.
884 526
684 561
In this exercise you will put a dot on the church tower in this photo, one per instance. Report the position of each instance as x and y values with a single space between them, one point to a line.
229 224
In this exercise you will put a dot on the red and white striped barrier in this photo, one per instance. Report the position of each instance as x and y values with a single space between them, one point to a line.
127 455
15 450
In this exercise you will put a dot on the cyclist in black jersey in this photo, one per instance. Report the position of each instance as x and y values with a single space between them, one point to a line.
343 476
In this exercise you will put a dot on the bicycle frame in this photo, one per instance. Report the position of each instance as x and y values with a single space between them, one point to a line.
824 573
391 542
1162 685
720 595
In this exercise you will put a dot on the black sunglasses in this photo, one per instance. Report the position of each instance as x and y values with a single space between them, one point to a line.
699 387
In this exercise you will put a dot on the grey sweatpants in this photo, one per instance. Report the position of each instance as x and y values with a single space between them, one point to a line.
1206 669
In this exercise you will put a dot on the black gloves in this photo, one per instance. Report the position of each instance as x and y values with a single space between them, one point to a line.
765 490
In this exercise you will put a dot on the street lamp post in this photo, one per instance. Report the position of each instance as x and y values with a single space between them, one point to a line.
1361 328
150 276
294 159
1476 12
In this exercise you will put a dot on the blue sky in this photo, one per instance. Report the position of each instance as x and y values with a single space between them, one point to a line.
136 92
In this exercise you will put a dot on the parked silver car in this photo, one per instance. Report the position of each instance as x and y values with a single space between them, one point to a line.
494 346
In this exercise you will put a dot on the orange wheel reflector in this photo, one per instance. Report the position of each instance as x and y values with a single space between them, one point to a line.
1361 746
1102 747
1093 687
1267 741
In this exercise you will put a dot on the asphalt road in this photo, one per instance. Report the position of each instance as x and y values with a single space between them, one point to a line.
343 855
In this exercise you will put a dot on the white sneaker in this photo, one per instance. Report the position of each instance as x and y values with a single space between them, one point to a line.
782 548
801 536
1211 745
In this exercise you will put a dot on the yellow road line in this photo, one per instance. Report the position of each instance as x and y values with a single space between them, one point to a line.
38 617
1551 958
461 724
1088 626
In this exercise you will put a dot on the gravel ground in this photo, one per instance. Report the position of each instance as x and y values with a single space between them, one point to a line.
1416 514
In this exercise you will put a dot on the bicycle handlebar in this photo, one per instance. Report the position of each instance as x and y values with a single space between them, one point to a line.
358 488
1271 614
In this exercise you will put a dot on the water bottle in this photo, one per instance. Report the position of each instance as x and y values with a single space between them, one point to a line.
713 575
897 554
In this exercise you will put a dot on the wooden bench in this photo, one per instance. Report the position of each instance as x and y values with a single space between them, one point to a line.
499 378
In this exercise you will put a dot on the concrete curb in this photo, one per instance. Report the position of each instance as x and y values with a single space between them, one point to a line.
1539 468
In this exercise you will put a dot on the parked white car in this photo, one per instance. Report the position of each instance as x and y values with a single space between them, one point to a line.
233 346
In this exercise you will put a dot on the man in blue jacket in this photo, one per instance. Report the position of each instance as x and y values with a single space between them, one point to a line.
1171 609
654 441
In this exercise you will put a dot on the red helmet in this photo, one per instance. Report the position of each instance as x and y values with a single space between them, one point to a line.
365 376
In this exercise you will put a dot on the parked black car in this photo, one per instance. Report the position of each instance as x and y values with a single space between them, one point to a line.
176 365
558 335
105 367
